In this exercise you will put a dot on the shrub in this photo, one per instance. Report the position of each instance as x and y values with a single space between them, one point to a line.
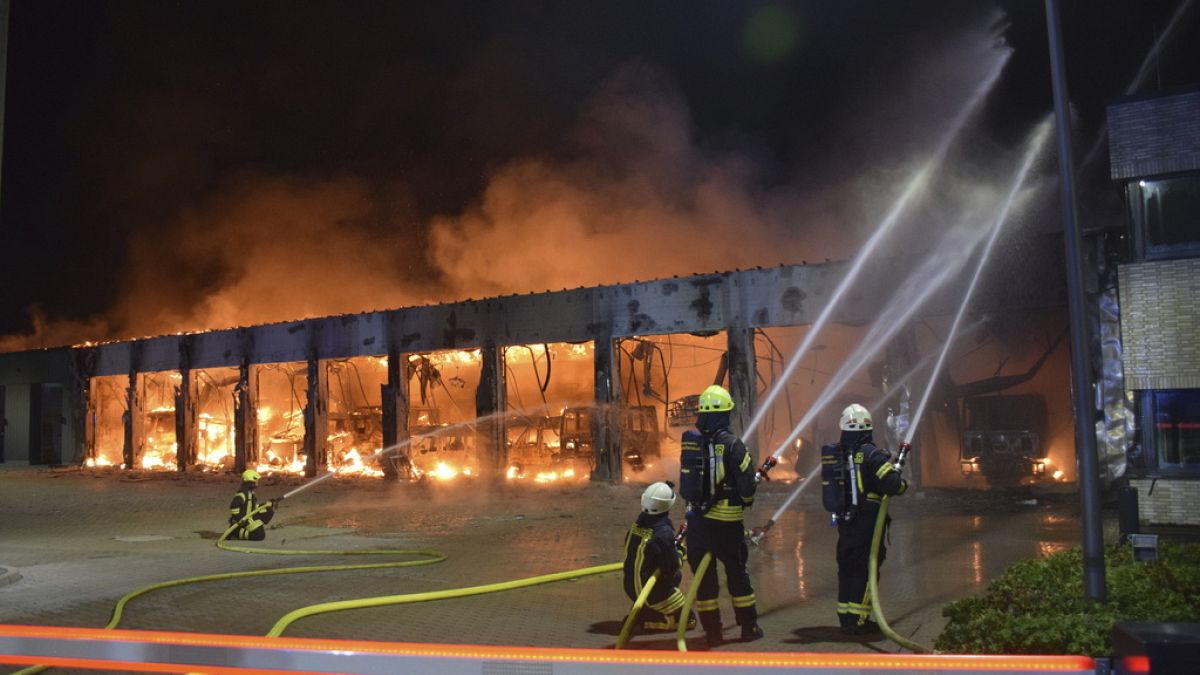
1038 606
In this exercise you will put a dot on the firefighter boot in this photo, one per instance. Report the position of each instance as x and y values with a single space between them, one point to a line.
751 633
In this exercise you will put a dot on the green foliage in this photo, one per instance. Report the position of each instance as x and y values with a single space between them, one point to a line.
1038 606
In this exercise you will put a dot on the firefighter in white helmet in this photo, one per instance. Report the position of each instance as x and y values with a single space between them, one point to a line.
855 476
244 504
651 546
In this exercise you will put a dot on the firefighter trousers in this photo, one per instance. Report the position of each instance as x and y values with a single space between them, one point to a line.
726 541
254 529
854 560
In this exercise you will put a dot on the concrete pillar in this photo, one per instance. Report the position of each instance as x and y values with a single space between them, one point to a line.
395 410
316 417
245 420
490 402
134 419
186 396
81 409
743 375
606 426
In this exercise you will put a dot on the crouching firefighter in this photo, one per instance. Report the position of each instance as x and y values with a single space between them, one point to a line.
717 478
244 503
652 546
854 477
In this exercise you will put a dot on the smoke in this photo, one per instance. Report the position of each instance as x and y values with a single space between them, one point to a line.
633 191
637 198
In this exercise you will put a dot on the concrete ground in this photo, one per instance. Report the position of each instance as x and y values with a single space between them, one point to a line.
82 539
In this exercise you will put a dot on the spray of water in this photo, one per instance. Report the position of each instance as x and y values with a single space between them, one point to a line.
939 268
1031 154
914 186
898 385
857 360
384 452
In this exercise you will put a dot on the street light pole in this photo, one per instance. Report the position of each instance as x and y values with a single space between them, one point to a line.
1085 434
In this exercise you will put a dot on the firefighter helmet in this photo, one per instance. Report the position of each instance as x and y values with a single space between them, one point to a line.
855 418
658 498
715 399
250 476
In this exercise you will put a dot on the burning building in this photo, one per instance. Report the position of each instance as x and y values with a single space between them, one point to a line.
593 383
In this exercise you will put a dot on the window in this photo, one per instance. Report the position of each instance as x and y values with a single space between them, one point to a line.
1167 213
1171 429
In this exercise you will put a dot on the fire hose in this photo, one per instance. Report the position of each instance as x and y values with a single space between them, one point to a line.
627 627
429 557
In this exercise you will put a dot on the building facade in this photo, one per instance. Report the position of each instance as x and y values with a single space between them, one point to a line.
1155 158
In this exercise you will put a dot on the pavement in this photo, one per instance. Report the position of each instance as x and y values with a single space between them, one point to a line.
82 538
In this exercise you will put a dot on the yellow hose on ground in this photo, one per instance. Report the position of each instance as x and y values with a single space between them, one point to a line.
689 600
640 602
381 601
873 584
431 557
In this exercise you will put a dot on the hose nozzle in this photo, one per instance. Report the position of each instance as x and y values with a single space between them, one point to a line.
756 534
902 454
765 469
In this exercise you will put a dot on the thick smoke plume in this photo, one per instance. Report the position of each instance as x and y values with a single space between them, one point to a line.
634 193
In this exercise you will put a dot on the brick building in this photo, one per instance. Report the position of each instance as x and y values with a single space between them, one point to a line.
1155 156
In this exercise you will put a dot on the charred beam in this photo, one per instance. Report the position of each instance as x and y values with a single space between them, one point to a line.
606 427
395 412
788 295
134 416
490 404
185 409
316 417
742 375
245 420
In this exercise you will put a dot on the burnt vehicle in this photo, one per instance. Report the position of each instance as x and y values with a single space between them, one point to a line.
1002 438
639 434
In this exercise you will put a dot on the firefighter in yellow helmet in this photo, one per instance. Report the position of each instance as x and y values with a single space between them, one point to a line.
244 502
717 478
855 474
650 547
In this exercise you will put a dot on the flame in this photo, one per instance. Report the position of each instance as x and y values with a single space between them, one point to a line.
1058 474
443 471
98 461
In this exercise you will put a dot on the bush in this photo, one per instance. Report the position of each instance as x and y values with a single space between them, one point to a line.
1038 606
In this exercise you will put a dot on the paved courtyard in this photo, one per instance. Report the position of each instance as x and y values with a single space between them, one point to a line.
80 540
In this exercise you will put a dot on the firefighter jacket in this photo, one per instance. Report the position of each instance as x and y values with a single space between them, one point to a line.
650 548
877 476
243 503
735 467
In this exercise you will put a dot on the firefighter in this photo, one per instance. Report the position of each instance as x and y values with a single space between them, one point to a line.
717 477
243 503
650 546
858 495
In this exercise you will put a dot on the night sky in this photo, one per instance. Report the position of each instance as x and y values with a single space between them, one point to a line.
129 124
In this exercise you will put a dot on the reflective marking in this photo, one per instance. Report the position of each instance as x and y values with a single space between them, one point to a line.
153 651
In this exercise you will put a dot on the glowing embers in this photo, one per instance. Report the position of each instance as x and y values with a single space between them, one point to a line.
550 390
216 399
441 394
154 443
280 392
107 403
355 427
